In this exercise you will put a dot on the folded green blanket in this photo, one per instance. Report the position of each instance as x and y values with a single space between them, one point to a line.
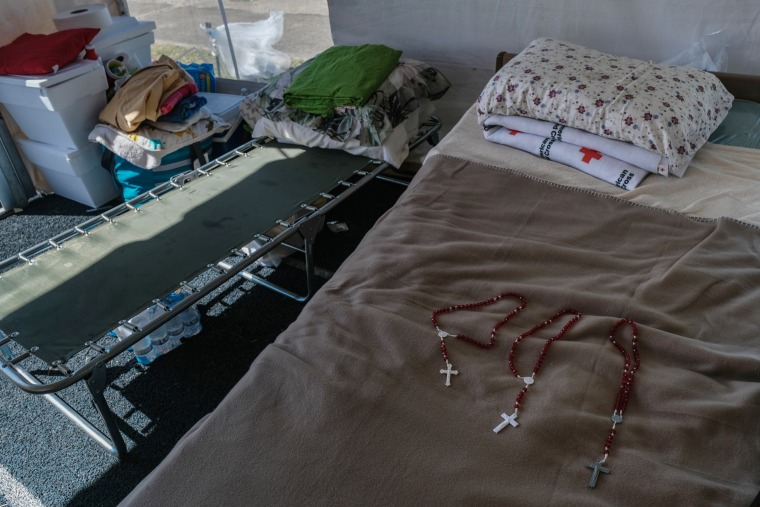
341 76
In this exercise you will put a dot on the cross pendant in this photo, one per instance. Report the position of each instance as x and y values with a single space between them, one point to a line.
596 467
509 420
448 372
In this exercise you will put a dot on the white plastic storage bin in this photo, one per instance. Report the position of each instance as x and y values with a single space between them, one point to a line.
125 35
74 174
227 107
224 105
58 109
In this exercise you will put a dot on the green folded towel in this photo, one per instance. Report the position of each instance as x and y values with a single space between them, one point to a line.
341 76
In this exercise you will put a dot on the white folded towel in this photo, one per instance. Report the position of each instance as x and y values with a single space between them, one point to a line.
640 157
588 160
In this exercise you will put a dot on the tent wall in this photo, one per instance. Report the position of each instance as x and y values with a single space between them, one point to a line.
463 38
470 33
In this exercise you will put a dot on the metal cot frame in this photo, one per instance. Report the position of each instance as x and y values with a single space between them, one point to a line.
92 368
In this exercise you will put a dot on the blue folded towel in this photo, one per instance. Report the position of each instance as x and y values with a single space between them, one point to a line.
184 109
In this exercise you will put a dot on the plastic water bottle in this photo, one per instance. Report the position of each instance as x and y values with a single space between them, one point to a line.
166 337
144 352
159 339
191 320
143 349
175 328
154 344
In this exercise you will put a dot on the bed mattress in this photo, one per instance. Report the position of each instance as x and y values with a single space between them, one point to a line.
720 181
349 406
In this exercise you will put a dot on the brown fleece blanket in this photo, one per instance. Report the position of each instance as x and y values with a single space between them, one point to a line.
348 406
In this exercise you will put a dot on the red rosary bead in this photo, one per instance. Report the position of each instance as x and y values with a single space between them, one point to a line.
444 352
471 306
480 304
544 350
630 367
624 392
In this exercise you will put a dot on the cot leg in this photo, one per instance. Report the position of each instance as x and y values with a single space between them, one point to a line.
96 384
309 231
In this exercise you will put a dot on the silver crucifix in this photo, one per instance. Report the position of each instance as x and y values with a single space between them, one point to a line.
448 372
509 420
596 467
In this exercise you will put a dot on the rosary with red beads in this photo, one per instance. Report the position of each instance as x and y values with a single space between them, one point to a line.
626 382
624 394
449 371
511 420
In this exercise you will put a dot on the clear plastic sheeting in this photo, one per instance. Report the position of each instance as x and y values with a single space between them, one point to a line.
709 53
255 56
741 127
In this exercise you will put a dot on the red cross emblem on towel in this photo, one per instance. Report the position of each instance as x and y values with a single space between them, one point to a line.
588 154
514 132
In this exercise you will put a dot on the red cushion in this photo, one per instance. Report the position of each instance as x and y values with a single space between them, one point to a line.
33 54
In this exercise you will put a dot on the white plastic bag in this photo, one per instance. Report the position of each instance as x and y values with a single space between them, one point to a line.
256 59
708 53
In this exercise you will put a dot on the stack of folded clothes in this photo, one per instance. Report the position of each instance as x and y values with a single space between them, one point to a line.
154 127
366 100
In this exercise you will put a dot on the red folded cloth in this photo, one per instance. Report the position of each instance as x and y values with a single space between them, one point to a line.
172 100
35 54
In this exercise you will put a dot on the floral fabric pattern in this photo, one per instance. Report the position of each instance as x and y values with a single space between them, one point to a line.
668 109
370 124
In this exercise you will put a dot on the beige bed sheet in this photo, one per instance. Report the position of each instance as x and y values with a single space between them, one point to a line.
722 181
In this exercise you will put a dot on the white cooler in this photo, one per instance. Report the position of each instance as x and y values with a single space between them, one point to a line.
224 105
73 173
59 109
